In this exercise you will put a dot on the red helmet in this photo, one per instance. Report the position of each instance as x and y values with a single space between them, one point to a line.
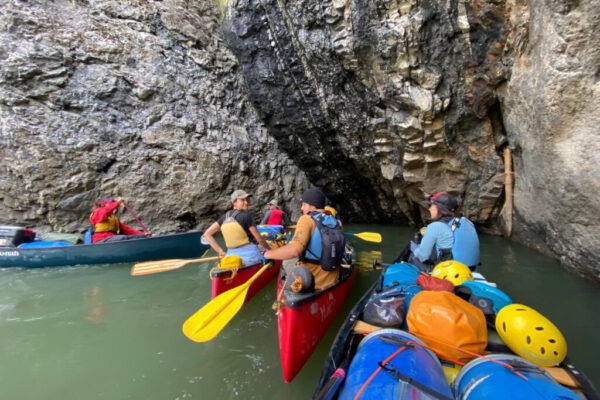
443 199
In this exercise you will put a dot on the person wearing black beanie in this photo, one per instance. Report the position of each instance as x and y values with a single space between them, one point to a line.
313 203
314 197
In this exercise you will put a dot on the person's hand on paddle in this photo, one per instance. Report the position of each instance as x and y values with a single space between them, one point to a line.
148 233
121 207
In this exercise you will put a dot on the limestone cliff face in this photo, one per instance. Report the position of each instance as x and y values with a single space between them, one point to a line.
128 98
175 103
398 93
550 107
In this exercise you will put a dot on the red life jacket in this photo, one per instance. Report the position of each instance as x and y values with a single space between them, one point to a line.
275 218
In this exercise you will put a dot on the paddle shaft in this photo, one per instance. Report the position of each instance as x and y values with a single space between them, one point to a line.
335 380
332 385
366 236
153 267
135 217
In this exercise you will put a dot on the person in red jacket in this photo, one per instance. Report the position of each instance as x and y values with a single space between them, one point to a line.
275 216
107 227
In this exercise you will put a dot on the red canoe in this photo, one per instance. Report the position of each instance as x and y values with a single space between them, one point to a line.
303 319
224 279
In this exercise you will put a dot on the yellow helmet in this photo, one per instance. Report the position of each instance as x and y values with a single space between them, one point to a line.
531 335
453 271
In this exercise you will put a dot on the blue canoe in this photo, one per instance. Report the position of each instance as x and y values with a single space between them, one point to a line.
178 245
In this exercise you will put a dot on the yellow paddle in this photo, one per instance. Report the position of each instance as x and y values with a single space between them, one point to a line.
367 236
153 267
208 321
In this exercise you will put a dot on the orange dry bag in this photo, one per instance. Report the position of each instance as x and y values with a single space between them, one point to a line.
450 326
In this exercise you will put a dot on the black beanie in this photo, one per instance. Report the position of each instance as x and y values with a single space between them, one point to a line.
314 197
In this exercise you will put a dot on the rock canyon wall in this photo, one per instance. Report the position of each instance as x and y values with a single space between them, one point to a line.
173 104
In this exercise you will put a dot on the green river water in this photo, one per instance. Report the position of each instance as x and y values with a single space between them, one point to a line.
95 332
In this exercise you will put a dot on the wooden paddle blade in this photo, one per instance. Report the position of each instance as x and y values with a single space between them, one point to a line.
153 267
158 266
368 236
208 321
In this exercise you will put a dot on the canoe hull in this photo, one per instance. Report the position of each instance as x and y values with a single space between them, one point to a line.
222 281
179 245
302 327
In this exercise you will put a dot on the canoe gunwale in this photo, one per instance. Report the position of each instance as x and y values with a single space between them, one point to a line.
299 300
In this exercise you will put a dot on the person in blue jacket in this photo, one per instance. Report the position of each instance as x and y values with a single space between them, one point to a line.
448 237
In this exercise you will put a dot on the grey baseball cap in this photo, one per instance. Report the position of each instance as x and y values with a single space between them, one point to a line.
239 194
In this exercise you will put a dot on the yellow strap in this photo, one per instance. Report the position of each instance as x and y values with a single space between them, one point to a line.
233 274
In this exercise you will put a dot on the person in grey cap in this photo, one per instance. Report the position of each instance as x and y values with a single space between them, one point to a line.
275 216
239 231
448 237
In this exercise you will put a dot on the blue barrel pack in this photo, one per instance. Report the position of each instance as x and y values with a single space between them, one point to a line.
402 277
403 273
489 380
414 373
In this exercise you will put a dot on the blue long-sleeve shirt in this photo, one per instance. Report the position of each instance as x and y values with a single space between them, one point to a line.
437 234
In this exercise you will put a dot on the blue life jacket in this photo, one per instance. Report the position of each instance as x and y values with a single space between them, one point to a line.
466 242
328 235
